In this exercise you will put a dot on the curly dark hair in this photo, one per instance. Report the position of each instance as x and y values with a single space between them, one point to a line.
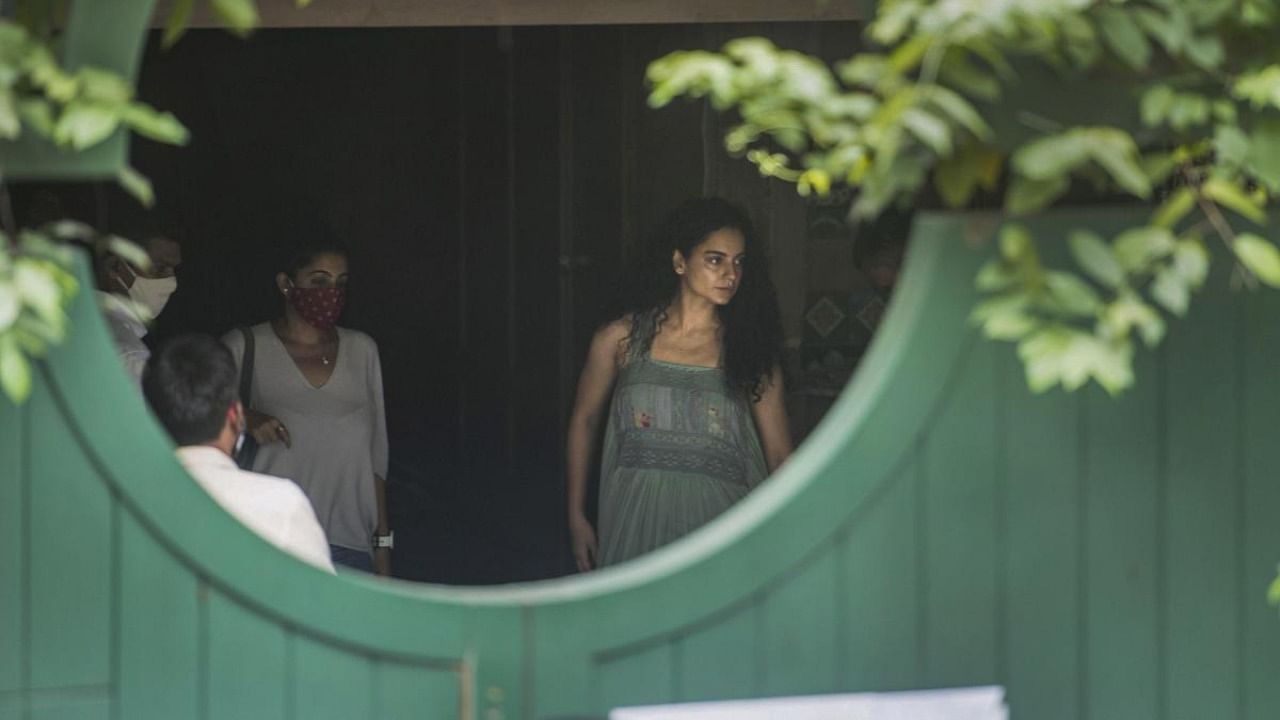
752 327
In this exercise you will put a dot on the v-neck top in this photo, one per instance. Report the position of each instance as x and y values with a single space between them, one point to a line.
338 430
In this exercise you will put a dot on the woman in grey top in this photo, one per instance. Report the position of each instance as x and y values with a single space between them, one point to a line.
317 407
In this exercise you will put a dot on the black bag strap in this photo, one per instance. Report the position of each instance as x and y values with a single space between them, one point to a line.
246 367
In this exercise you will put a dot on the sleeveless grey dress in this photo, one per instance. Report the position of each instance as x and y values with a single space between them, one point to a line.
680 448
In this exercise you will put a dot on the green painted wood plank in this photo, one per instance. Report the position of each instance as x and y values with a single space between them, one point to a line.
959 471
248 657
1042 553
12 545
721 659
801 653
881 562
1201 513
643 677
161 630
1121 457
70 556
1261 501
74 705
329 682
412 692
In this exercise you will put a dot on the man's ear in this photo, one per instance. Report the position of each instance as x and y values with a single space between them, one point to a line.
235 417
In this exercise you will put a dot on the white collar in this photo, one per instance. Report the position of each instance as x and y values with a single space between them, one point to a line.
206 455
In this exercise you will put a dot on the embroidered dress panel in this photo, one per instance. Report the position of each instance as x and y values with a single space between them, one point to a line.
680 448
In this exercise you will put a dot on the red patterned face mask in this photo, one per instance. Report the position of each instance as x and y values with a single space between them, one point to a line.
319 307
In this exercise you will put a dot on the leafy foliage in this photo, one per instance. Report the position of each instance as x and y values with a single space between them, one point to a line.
1174 102
73 110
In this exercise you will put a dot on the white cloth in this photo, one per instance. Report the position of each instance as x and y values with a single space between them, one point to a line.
127 329
274 508
338 431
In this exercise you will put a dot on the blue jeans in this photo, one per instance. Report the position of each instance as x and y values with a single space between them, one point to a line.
356 559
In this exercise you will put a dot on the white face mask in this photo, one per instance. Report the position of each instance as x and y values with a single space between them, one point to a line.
151 293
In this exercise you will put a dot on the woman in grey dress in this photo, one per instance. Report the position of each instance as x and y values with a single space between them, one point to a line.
693 390
316 406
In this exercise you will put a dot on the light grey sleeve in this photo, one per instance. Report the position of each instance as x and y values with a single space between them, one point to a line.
380 450
235 343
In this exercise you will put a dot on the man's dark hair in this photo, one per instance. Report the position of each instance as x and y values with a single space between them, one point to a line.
189 384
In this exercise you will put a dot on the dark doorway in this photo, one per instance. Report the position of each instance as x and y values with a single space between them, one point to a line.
493 185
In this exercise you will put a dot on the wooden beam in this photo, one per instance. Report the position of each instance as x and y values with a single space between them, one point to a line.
439 13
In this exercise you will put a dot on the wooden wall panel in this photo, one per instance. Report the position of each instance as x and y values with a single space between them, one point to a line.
1202 513
329 682
1041 605
1120 545
14 587
1258 346
799 638
246 653
958 479
69 555
408 692
162 662
883 568
721 658
644 676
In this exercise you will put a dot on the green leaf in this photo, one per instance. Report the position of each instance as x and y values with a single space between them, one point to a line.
159 126
1096 257
1137 248
1052 156
1205 51
959 110
1260 256
1191 261
1026 196
1264 152
1171 291
1260 88
1230 195
15 371
179 19
1015 243
103 86
1071 295
1128 311
240 16
137 185
959 72
1155 105
1117 153
83 125
127 250
1273 592
1012 325
37 114
1231 146
10 126
1000 305
10 306
996 275
1124 37
1174 208
929 130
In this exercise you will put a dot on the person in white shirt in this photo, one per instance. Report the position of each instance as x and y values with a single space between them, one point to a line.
131 297
191 387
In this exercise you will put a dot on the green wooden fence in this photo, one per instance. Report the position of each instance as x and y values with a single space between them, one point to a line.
1101 558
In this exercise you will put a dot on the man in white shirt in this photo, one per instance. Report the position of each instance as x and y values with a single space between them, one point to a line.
191 387
131 297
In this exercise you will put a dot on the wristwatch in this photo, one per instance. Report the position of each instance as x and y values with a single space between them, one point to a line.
387 541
